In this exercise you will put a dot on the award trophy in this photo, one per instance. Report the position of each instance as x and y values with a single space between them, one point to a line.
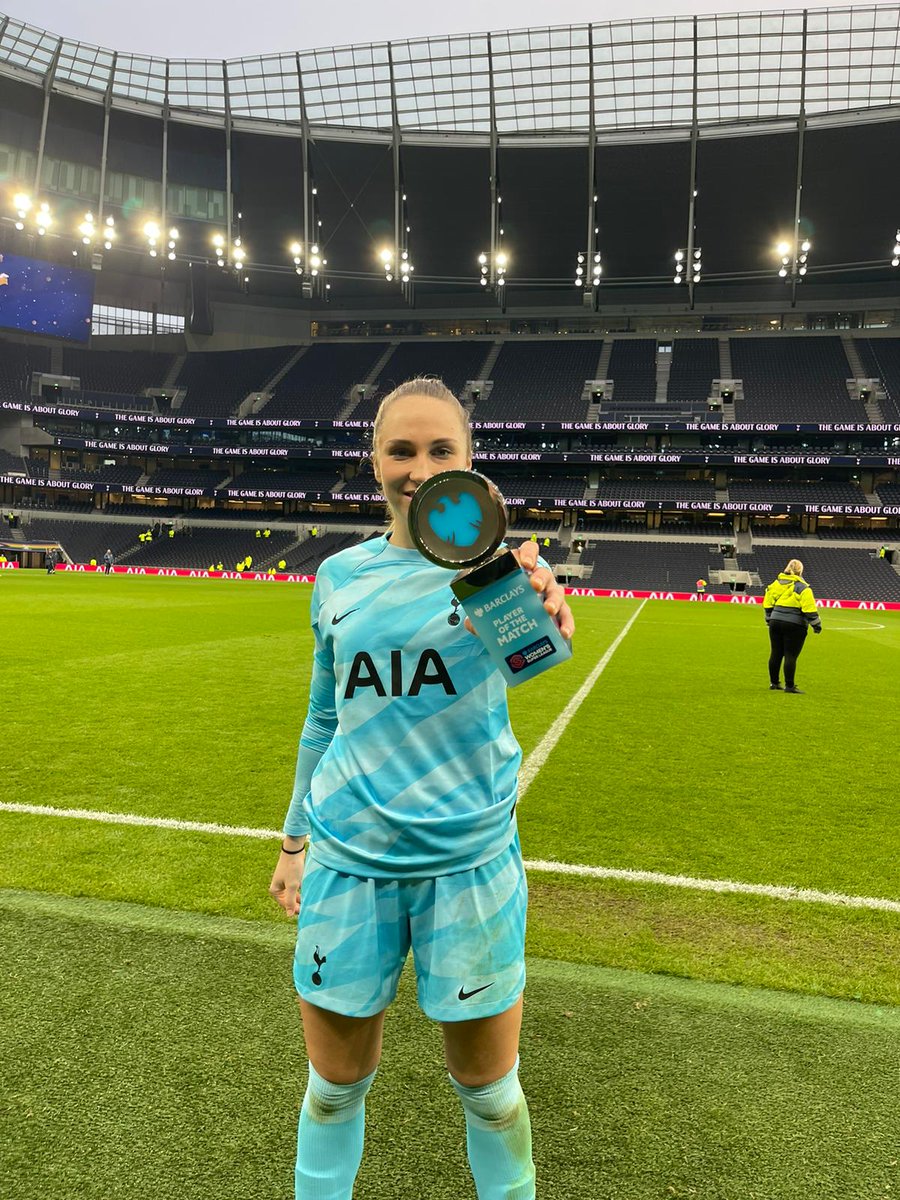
457 519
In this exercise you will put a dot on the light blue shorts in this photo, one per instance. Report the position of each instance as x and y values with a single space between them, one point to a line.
466 932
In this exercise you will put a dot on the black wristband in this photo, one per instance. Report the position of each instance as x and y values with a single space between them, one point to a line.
300 851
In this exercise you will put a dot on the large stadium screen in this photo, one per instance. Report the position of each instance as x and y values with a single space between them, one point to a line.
41 297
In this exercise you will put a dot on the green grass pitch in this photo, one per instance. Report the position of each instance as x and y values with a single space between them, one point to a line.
677 1042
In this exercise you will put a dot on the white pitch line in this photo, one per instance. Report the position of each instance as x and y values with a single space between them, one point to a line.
110 818
545 746
771 891
546 866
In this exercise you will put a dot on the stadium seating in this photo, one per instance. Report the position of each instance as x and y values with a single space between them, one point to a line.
11 463
789 492
888 493
295 481
648 566
782 530
539 486
452 362
847 533
126 372
654 489
172 477
17 363
198 547
217 381
695 364
85 539
540 381
881 358
832 574
632 367
306 558
317 385
793 379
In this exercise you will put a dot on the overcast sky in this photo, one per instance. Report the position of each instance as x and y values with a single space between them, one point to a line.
230 28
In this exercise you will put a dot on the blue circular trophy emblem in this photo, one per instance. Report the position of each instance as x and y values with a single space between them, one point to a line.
457 519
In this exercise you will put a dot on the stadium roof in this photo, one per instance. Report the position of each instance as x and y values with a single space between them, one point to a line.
636 75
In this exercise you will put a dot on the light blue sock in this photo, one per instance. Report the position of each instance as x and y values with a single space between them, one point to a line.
498 1138
330 1138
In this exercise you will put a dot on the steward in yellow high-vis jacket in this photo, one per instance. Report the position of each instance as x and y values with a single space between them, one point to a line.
790 609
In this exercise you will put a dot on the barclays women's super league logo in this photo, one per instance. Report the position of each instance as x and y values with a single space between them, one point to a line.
457 521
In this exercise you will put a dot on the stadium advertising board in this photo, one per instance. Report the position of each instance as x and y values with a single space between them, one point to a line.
173 420
605 504
647 458
594 593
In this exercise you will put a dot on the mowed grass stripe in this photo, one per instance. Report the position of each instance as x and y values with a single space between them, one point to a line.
138 1062
539 755
124 702
684 763
772 892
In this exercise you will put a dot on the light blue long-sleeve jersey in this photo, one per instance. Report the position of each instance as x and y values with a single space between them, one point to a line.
418 769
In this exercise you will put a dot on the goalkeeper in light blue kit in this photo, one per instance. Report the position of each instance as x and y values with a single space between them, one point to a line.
402 828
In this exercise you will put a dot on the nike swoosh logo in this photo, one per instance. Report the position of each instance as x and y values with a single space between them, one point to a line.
337 620
464 995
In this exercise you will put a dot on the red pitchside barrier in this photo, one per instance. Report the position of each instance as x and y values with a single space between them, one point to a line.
614 593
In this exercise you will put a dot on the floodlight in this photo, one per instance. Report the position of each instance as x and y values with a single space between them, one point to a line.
482 258
501 260
295 247
21 203
784 247
679 255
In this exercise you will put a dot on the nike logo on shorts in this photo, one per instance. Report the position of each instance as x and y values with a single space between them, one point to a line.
337 620
464 995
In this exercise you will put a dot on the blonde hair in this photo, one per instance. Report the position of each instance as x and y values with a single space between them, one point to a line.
794 567
422 385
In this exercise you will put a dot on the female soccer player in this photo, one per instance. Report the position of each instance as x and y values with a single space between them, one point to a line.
404 810
790 609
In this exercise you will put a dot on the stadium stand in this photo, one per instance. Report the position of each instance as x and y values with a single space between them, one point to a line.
831 533
199 547
789 492
110 475
125 372
654 489
17 362
632 367
881 358
793 379
84 540
173 477
540 381
306 558
540 486
695 364
452 362
217 381
888 493
832 574
673 566
317 385
781 530
294 481
12 464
